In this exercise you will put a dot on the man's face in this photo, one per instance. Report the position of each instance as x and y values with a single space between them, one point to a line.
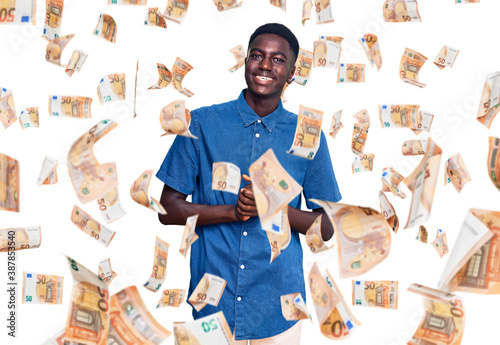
268 65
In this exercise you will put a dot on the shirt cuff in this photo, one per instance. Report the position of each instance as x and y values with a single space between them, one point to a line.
334 198
174 183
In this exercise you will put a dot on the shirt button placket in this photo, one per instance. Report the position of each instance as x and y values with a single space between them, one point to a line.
240 282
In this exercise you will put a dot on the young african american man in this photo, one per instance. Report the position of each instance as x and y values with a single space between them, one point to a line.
232 244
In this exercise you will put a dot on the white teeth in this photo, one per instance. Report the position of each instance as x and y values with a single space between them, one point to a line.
263 78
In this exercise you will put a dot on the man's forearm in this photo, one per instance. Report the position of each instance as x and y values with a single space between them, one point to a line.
301 221
180 210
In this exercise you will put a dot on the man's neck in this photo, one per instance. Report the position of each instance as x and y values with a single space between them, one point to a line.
262 106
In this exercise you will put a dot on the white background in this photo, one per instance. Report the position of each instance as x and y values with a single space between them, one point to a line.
203 40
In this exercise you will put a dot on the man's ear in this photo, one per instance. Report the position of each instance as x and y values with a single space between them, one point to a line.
290 75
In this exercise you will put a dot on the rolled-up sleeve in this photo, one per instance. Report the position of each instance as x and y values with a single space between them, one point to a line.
320 182
180 168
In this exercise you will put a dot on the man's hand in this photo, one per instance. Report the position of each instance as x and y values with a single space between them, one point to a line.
246 206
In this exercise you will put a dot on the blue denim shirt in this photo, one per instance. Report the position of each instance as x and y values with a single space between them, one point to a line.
239 252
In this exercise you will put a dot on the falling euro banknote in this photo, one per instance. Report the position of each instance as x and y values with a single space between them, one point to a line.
48 173
226 177
176 10
131 323
335 124
280 237
29 118
12 239
208 291
414 147
223 5
91 227
164 77
494 161
159 273
70 106
327 52
351 73
211 329
489 106
112 88
446 57
471 266
307 133
89 301
179 71
410 66
401 11
239 54
363 163
139 192
303 67
293 307
363 237
90 179
53 19
440 244
106 28
76 62
54 52
9 184
323 11
155 18
7 108
371 46
189 235
18 12
40 288
105 273
422 234
455 172
391 180
273 187
336 321
281 4
375 293
388 212
176 119
422 183
172 298
109 203
360 132
441 308
314 238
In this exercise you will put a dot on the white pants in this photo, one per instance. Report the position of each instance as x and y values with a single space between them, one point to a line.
289 337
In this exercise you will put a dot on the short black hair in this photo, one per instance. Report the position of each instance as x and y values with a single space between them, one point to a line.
279 30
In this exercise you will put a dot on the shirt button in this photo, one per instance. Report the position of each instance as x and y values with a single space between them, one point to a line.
245 233
257 135
259 121
242 267
239 299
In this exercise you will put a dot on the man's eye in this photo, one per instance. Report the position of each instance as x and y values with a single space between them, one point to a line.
257 56
279 60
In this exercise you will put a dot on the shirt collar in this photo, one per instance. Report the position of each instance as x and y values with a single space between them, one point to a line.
249 116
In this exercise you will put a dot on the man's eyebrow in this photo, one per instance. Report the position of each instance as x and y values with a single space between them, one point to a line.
275 52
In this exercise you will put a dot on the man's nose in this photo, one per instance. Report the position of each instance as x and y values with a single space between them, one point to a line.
265 64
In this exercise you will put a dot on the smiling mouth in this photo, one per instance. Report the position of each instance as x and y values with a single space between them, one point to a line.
263 79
